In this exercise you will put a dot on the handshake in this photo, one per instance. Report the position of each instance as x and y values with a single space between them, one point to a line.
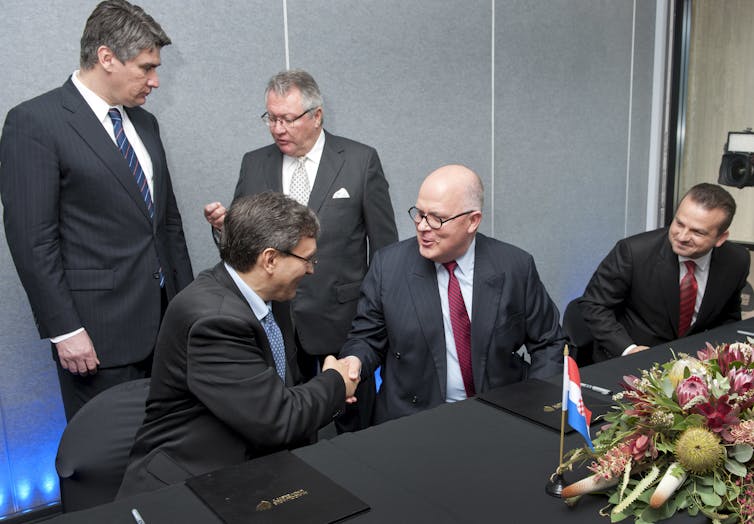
350 369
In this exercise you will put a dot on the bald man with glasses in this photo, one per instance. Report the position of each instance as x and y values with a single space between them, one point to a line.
445 314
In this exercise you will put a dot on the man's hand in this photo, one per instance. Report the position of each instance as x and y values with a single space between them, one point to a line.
214 213
350 369
77 354
636 349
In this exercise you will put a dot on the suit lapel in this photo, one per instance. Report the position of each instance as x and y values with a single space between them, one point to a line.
272 170
668 271
422 285
151 143
329 167
488 286
83 120
715 282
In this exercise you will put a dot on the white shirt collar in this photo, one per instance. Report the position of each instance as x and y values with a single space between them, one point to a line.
466 261
258 306
702 262
93 100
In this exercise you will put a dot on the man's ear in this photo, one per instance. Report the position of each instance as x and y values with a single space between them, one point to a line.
268 259
106 58
722 238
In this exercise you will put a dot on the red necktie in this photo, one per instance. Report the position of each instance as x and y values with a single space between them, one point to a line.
459 321
688 298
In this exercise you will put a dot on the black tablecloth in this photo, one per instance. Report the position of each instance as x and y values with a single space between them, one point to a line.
465 462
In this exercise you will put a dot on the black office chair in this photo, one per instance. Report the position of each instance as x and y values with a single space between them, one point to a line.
578 333
93 451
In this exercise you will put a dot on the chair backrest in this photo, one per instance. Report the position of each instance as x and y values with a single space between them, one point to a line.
578 333
93 451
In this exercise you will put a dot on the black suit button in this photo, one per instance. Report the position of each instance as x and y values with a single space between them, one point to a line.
398 355
156 276
413 400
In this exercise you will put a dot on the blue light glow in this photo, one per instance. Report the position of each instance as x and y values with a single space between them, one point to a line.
23 490
50 484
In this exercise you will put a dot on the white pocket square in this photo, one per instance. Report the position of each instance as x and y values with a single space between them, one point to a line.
341 193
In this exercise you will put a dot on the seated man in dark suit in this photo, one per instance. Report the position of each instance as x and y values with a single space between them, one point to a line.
444 314
225 383
671 282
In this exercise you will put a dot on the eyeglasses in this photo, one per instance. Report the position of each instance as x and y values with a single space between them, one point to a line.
311 260
433 221
270 120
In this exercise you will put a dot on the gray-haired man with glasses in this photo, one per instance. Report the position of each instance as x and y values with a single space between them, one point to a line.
445 314
342 181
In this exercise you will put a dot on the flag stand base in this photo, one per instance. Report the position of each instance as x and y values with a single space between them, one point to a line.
555 485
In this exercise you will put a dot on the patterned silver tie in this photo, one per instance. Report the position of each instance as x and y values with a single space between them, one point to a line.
300 183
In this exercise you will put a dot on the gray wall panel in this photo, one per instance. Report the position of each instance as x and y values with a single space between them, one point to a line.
562 73
411 79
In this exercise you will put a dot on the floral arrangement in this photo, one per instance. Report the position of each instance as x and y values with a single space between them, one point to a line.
680 438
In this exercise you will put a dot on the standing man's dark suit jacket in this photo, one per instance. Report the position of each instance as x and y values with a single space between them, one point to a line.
399 325
633 296
81 239
215 398
326 301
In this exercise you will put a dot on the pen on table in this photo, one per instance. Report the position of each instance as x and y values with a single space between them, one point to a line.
137 516
747 333
597 389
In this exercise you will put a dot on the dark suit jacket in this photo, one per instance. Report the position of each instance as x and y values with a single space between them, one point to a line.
81 239
326 301
633 296
215 398
399 326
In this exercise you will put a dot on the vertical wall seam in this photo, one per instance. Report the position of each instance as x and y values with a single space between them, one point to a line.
630 115
492 124
285 35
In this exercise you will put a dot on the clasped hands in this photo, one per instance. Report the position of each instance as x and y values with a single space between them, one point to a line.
350 369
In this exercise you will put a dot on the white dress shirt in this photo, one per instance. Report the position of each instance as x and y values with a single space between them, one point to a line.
311 163
465 274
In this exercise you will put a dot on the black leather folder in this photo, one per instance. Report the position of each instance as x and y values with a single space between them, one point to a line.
540 402
278 488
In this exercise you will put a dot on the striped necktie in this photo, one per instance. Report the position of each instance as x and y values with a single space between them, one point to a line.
461 326
688 290
133 164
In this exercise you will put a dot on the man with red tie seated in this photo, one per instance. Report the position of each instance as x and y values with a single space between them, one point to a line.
445 314
671 282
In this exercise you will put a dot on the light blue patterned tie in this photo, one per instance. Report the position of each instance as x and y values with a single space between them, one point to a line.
133 164
275 337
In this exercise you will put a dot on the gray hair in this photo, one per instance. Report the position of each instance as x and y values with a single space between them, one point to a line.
284 81
125 28
257 222
475 193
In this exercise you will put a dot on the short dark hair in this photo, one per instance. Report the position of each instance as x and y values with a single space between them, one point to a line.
257 222
125 28
712 196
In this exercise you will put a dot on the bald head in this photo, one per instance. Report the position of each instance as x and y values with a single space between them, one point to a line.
451 199
456 180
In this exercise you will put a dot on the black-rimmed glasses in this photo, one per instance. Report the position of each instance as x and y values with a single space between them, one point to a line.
270 120
433 221
311 260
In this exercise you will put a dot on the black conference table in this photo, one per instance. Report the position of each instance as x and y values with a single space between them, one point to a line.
466 462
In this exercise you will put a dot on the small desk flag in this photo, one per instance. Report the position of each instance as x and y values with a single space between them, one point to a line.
579 416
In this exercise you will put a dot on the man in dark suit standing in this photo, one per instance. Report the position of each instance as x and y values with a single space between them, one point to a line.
445 314
671 282
226 387
89 211
343 182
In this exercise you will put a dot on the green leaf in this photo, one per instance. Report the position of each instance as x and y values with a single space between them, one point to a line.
741 452
711 499
735 467
667 387
719 486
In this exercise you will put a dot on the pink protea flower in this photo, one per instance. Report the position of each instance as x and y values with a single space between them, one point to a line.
743 433
720 416
642 448
690 389
708 353
612 463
